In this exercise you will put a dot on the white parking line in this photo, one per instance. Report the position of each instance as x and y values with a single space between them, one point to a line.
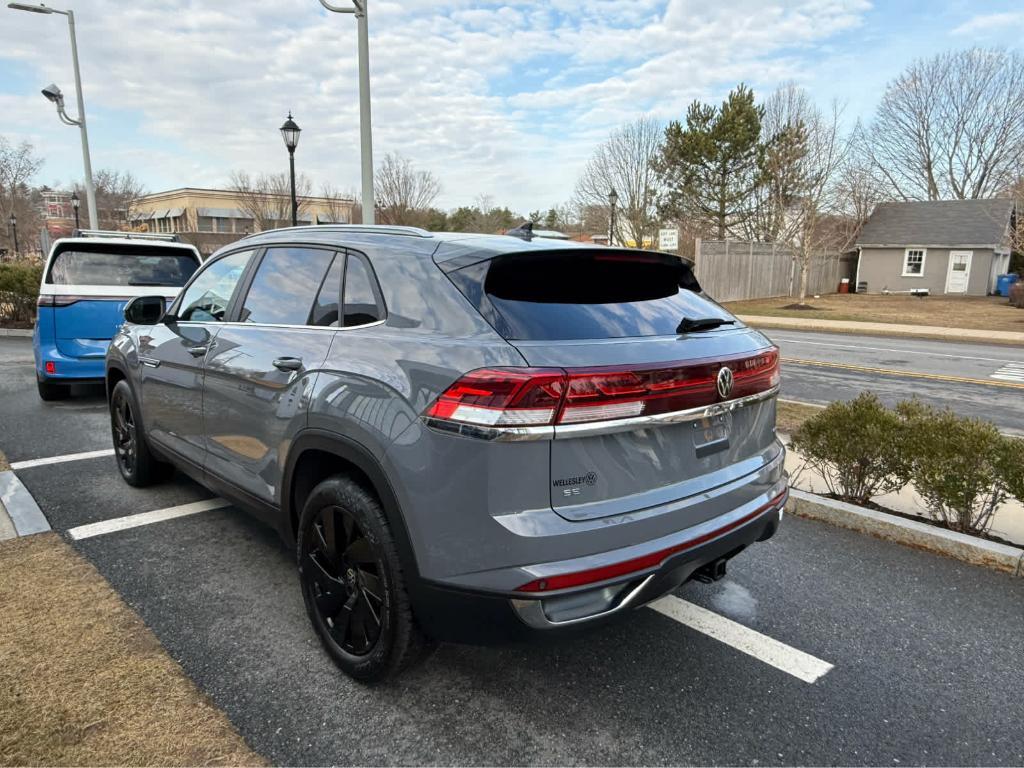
29 463
144 518
794 662
1010 372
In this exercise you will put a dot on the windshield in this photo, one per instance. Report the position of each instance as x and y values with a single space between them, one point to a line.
135 266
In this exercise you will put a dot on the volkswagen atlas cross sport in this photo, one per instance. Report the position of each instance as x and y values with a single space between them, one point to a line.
86 281
464 437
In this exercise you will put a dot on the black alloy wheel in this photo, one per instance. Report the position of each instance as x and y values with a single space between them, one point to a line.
344 576
125 433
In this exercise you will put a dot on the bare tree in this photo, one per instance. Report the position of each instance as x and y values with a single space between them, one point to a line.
336 204
18 164
811 195
625 162
266 198
117 192
951 127
403 193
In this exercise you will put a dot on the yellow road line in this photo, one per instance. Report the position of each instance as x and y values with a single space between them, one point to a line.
910 374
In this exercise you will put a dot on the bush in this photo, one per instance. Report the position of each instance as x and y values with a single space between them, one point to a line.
962 468
19 289
856 447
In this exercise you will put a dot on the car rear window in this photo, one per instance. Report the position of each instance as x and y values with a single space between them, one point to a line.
585 294
121 266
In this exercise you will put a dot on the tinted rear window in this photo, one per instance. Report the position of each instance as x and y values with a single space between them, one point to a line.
136 266
584 295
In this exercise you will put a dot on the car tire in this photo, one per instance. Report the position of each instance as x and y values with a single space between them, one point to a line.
137 464
51 390
353 585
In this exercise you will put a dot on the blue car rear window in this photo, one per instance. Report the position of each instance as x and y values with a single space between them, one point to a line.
138 266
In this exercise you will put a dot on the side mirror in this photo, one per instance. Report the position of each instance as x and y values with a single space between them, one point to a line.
144 310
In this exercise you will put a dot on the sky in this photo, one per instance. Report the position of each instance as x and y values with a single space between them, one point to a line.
499 99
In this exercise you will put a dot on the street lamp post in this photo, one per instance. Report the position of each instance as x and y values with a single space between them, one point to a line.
75 202
13 221
290 133
53 93
613 199
365 133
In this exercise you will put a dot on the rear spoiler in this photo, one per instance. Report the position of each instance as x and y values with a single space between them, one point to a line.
111 233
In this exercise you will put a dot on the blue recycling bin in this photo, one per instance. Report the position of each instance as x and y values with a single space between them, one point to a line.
1003 283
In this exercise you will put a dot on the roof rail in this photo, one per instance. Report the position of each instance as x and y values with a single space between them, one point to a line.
369 229
113 233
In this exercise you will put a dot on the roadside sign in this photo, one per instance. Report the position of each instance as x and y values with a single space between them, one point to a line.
668 239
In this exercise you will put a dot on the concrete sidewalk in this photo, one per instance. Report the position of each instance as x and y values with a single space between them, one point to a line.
886 329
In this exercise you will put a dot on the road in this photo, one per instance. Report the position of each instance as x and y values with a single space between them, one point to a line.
917 657
986 381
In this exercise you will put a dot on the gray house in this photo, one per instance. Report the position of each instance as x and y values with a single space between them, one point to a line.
944 246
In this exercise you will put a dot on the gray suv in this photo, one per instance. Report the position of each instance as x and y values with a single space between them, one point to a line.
464 437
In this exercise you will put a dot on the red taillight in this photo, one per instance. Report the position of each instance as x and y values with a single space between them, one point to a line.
652 560
50 366
497 397
550 396
49 300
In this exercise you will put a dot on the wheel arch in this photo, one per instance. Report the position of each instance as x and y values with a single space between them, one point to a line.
115 373
316 455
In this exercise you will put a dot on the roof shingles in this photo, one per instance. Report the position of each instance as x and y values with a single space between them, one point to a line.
953 223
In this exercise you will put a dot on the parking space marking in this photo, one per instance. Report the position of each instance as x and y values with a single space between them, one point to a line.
790 660
29 463
144 518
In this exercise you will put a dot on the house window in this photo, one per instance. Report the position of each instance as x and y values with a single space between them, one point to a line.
206 224
913 262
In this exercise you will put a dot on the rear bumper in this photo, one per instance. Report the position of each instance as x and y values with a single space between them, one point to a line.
66 367
457 615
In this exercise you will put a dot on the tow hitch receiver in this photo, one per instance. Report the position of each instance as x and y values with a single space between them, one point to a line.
713 571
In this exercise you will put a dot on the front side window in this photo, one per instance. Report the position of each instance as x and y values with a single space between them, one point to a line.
207 299
285 286
124 266
913 263
362 296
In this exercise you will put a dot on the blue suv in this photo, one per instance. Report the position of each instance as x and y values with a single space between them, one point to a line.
86 283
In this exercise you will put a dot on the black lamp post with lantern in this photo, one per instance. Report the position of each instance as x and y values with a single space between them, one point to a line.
613 200
75 202
290 133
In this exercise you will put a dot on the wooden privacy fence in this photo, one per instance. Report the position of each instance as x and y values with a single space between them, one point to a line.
736 270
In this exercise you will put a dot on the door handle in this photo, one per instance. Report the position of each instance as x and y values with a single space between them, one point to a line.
288 363
198 351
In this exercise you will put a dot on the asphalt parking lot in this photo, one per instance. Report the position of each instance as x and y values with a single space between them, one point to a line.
914 658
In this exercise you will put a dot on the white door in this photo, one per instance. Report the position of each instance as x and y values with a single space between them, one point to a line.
959 271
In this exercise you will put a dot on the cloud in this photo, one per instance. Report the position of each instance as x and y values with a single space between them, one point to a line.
500 98
989 22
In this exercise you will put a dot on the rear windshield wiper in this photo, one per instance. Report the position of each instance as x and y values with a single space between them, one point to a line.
697 324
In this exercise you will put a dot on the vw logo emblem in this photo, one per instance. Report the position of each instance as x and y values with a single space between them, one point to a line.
724 382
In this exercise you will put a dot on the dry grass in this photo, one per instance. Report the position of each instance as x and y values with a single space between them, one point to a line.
789 416
4 465
987 313
84 682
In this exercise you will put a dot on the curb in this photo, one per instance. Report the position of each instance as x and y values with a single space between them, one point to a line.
23 332
19 508
968 549
890 330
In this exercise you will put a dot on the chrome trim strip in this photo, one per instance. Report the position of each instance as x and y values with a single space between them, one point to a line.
217 323
567 431
532 611
150 362
563 431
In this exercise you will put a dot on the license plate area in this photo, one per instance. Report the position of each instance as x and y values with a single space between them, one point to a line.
711 434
